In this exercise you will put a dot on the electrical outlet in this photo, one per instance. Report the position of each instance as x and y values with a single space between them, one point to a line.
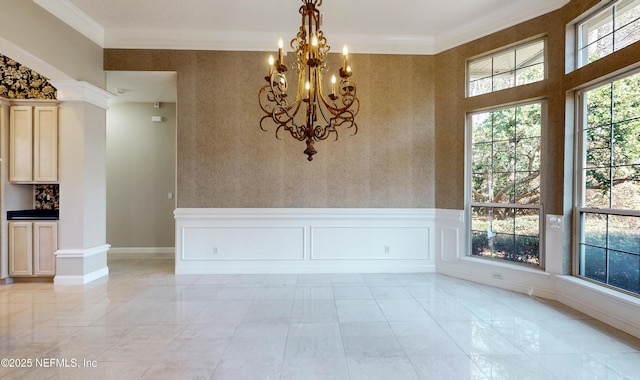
215 250
497 276
387 250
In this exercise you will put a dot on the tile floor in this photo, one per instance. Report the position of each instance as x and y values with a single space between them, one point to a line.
144 322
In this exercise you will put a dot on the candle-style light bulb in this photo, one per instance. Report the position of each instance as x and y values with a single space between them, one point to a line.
333 84
308 87
345 53
314 46
271 62
280 47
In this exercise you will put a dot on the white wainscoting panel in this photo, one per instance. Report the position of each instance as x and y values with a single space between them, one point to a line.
449 225
242 243
366 243
303 240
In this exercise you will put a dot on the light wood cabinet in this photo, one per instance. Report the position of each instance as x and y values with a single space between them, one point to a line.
33 144
32 248
20 248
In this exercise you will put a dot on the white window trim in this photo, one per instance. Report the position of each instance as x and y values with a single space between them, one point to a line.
593 12
578 174
468 190
501 50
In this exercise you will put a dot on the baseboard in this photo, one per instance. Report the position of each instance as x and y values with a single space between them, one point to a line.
81 279
609 306
82 265
141 253
301 267
521 279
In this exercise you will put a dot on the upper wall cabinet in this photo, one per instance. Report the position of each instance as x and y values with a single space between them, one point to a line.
33 144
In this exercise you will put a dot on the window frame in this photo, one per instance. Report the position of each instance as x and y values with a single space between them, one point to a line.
502 50
579 196
579 37
468 175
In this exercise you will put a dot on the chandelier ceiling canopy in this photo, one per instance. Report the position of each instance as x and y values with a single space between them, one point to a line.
318 110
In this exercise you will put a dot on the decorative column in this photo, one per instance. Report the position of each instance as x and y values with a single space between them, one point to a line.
82 253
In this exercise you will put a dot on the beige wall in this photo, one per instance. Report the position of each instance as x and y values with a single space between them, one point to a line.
51 42
141 171
225 160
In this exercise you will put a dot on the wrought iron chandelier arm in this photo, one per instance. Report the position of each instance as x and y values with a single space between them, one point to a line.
323 132
294 131
348 118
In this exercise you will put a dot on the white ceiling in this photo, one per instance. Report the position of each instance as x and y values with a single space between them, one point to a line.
144 87
366 26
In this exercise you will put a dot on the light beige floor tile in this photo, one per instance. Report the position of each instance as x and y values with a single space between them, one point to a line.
381 368
144 322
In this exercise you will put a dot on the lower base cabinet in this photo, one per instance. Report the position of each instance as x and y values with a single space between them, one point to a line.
32 248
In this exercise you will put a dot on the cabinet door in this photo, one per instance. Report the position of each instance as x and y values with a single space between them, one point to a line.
45 240
20 248
21 144
45 144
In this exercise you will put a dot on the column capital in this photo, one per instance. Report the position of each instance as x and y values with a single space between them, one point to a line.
79 91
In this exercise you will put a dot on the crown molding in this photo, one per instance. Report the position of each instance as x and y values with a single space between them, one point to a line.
75 18
483 26
138 38
256 41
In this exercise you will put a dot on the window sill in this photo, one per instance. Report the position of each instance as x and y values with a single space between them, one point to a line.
601 290
505 265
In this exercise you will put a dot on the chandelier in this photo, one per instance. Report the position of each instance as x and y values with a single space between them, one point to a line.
312 116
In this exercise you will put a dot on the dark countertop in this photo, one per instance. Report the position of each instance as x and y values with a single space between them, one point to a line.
33 215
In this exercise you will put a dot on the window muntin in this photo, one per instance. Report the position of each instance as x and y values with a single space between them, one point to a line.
609 202
609 30
513 67
504 185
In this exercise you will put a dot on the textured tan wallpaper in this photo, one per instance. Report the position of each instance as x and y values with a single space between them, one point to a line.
410 149
452 107
225 160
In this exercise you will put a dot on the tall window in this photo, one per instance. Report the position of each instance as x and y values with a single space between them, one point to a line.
609 199
609 30
504 183
507 68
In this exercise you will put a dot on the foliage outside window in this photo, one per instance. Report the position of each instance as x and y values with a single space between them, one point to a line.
608 31
609 207
505 184
513 67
